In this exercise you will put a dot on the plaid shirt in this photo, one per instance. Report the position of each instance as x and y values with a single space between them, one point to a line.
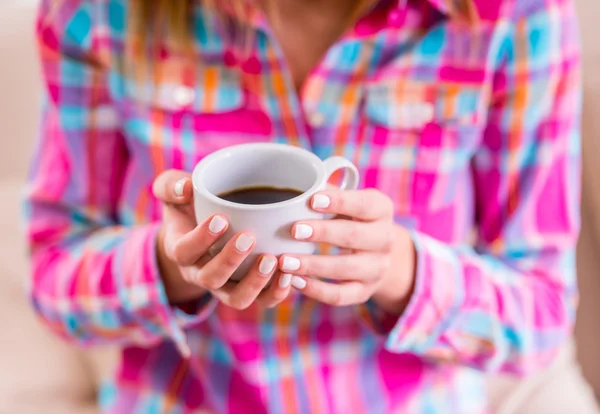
465 113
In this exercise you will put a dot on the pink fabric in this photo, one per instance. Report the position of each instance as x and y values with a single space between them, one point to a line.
464 124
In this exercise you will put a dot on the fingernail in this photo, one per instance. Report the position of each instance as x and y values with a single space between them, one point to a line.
290 264
298 282
303 231
179 187
243 243
267 265
320 201
285 280
217 225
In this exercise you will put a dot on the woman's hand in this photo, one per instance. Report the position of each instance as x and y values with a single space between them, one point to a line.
377 259
189 271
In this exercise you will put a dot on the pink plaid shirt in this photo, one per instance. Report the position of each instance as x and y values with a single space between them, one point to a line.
464 112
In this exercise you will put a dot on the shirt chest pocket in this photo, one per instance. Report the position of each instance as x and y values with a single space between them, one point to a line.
211 90
423 136
195 113
209 99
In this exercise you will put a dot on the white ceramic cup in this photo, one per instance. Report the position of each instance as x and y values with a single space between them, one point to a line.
268 165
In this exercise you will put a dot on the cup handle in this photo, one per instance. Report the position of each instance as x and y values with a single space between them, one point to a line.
351 176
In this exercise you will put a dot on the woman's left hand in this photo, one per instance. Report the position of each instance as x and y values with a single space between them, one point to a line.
377 258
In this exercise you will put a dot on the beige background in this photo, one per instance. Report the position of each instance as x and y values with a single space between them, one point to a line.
588 329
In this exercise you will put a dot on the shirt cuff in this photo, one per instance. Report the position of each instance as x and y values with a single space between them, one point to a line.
153 304
434 303
436 300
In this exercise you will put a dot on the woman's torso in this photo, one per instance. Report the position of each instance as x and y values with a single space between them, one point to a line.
403 96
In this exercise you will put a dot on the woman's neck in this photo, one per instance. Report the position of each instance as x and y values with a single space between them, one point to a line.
306 29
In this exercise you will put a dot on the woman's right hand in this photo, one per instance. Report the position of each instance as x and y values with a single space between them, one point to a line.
187 269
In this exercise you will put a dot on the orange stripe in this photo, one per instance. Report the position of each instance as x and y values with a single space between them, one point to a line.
157 119
140 207
450 101
350 100
519 107
156 124
211 82
280 89
347 107
171 395
310 379
283 315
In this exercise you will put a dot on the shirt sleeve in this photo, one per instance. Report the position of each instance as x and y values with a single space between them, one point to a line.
508 303
93 281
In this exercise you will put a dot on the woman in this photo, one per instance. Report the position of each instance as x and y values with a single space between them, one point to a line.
462 117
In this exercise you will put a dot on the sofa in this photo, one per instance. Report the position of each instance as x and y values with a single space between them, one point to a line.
39 373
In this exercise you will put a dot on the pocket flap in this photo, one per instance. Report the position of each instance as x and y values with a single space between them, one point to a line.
213 90
409 105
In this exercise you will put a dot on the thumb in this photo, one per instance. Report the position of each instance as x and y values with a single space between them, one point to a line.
178 221
173 187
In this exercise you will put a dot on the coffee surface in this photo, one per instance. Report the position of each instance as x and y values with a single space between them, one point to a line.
260 195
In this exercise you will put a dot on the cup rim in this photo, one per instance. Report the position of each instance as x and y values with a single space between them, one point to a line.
200 187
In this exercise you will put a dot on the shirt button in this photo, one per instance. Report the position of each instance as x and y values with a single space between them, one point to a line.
184 96
317 119
106 117
424 113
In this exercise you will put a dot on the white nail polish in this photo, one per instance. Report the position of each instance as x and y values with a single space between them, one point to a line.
303 231
243 243
179 187
298 282
217 225
285 280
267 265
290 264
320 201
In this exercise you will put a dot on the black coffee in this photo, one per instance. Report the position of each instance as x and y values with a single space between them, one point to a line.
260 195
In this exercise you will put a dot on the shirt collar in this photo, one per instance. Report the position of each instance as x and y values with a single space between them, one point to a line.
461 9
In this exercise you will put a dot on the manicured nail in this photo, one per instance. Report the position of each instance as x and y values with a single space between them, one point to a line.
243 243
179 187
290 264
267 265
298 282
303 231
320 201
285 280
217 225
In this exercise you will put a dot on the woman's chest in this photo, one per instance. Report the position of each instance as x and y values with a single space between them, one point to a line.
408 109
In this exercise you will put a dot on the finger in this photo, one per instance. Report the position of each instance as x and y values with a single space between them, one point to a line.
186 249
246 291
334 294
190 273
173 187
277 292
214 274
366 205
349 234
363 267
